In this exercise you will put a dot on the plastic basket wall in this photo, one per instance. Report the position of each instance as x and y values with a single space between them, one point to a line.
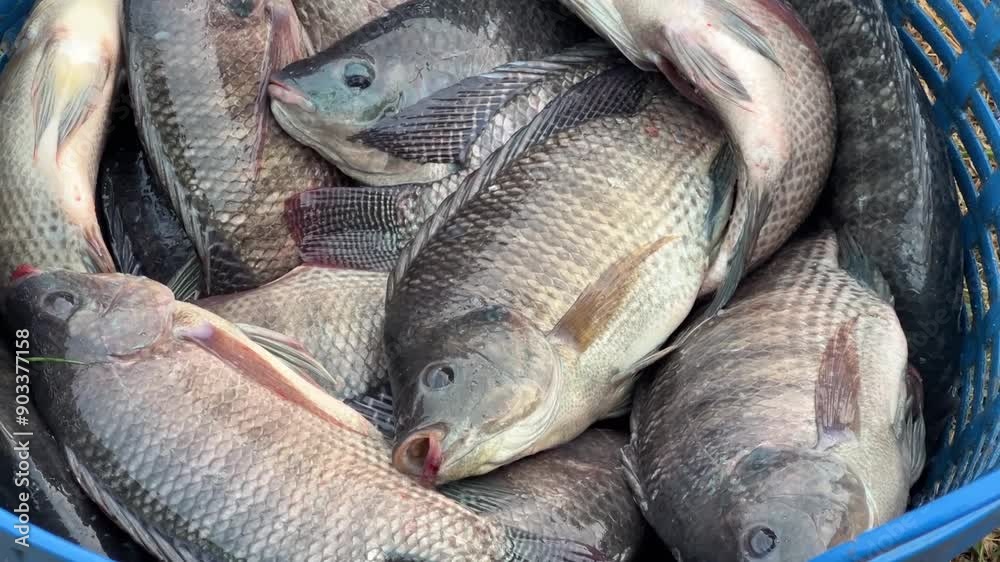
962 474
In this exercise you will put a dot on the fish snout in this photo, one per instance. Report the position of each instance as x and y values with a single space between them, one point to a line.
285 91
419 455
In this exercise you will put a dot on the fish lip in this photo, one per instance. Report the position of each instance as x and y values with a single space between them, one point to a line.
283 92
427 471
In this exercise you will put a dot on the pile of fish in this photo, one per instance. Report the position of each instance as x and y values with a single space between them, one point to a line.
498 280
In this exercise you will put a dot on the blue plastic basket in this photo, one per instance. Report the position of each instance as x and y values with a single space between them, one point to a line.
961 500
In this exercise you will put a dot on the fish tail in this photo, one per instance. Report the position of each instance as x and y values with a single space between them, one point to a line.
357 227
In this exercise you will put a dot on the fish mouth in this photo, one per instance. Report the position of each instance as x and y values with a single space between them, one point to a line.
420 454
285 93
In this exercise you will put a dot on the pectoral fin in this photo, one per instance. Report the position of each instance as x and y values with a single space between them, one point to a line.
66 90
291 352
588 318
911 429
838 387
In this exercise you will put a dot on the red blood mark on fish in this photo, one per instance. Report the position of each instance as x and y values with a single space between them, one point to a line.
22 271
432 463
652 131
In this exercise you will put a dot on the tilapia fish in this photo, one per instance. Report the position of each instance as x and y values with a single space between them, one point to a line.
38 468
575 491
198 81
891 185
204 447
344 101
54 101
756 66
787 425
368 227
145 235
523 308
335 315
327 21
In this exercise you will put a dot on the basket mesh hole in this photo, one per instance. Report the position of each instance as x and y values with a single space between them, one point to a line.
933 56
983 389
991 154
973 172
984 288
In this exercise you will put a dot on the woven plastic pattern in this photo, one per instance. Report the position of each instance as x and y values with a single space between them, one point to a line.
961 74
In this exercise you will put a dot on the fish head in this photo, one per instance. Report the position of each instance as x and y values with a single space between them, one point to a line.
783 504
474 395
87 317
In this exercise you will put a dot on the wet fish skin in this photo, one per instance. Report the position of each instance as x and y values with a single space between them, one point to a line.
327 21
332 99
146 384
906 217
146 236
54 100
56 502
198 80
755 65
368 227
336 314
516 317
816 440
576 491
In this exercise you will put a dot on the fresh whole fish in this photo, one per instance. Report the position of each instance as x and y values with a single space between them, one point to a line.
55 502
205 447
54 100
198 83
368 227
576 491
146 236
328 21
341 101
523 308
905 216
333 314
755 65
787 425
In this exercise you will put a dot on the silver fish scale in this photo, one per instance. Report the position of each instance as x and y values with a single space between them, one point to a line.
575 491
748 377
216 461
565 212
197 80
335 313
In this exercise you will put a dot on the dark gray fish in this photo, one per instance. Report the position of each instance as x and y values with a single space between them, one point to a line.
144 233
523 309
891 185
786 425
55 501
328 21
205 447
344 101
368 227
577 491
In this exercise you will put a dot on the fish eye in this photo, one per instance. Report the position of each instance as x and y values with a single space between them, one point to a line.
241 8
761 541
359 75
436 377
59 304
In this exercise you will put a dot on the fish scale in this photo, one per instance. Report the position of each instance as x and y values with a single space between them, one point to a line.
695 426
197 87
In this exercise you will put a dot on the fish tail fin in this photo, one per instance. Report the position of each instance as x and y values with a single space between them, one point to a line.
357 227
529 547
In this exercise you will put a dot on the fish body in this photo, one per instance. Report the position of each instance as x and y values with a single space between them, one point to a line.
787 425
755 65
368 227
205 447
905 216
198 80
521 311
146 236
54 100
337 100
327 21
574 491
335 314
55 502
